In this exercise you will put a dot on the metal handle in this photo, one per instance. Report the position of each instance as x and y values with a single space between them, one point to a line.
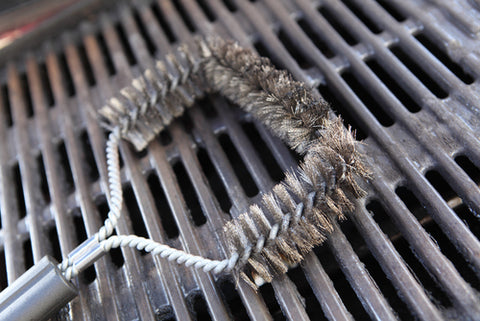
37 294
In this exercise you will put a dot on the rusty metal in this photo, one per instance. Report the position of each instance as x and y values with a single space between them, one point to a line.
403 73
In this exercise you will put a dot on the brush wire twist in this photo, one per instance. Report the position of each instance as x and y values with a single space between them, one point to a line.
297 214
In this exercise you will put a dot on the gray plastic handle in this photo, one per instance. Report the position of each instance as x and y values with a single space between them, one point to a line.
37 294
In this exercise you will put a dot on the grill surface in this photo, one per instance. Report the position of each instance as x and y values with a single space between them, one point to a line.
404 74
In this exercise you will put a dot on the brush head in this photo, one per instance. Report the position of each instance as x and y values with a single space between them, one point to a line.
297 214
150 103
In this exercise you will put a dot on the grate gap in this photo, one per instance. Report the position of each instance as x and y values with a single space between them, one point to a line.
27 253
207 10
394 87
214 180
315 38
87 67
387 5
43 179
163 22
67 76
369 23
302 60
466 215
80 232
89 275
441 185
369 102
264 52
341 284
412 203
22 211
239 167
3 271
199 307
127 50
469 168
165 138
189 194
163 209
375 271
312 306
187 123
185 16
152 49
54 243
206 105
455 68
7 108
134 212
337 25
27 95
107 59
416 268
268 295
66 171
417 70
230 5
232 299
341 110
116 257
263 151
89 158
46 84
449 250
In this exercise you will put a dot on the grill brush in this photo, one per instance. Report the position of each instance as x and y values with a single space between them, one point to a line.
272 235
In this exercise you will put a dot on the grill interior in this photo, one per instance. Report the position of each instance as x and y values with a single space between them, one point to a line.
403 74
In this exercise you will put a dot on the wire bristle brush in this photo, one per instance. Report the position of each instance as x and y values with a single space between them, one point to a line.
291 219
272 235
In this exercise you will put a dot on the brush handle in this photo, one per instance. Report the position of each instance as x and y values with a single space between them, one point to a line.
37 294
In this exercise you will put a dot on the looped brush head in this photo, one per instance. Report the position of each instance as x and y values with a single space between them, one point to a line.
298 213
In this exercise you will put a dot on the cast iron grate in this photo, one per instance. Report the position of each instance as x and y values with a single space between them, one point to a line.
404 74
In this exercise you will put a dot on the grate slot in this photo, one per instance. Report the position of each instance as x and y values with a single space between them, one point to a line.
470 169
105 54
338 26
367 99
241 171
392 10
163 23
87 68
22 211
67 76
417 70
372 25
6 105
407 101
446 61
47 88
214 180
27 254
166 215
341 285
43 179
145 36
125 44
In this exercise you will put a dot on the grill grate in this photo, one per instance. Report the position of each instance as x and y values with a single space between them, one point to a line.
404 74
